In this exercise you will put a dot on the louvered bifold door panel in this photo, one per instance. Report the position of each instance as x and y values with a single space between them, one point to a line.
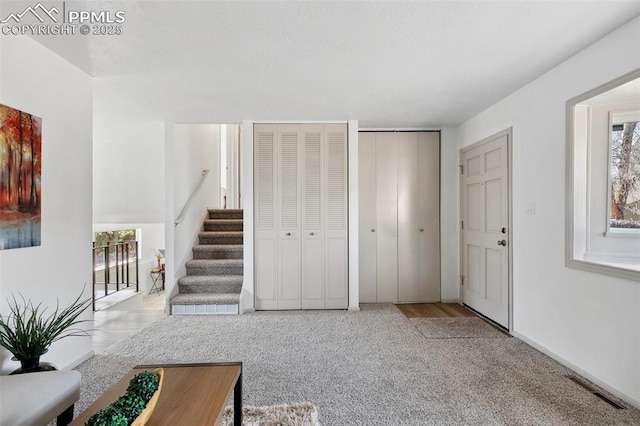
336 264
312 218
265 195
289 259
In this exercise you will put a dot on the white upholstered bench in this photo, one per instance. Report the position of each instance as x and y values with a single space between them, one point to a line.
38 398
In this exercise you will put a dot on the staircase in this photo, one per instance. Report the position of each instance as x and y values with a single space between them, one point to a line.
214 276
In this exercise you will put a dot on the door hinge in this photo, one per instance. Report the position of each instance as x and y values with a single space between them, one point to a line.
462 224
461 279
461 169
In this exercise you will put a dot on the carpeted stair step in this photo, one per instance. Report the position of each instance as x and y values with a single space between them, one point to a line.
215 284
225 251
225 214
223 225
215 267
205 299
217 238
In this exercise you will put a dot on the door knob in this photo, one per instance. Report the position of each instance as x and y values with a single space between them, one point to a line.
502 243
311 233
421 229
373 230
288 234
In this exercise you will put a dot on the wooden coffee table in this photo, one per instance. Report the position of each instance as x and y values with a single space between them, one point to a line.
192 394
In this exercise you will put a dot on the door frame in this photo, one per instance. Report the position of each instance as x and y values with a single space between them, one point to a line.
509 133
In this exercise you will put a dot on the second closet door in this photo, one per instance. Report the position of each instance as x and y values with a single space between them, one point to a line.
418 217
399 217
387 216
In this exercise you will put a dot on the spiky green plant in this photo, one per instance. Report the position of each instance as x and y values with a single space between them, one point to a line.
27 332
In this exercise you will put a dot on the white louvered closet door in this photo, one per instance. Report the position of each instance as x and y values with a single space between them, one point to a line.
336 281
313 291
265 193
289 256
300 197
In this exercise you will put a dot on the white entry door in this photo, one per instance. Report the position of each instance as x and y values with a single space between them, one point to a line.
485 231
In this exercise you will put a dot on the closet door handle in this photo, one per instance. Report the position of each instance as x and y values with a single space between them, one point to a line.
373 230
311 233
288 234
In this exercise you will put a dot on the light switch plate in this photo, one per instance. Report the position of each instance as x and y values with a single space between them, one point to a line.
531 208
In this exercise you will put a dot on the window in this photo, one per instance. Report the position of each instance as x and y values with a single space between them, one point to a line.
120 245
624 173
603 183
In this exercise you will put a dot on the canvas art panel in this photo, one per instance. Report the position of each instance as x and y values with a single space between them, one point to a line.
20 178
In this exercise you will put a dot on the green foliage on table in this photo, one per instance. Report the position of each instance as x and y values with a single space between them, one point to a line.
144 384
27 332
109 416
129 406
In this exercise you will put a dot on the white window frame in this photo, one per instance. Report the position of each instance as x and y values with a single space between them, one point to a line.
577 227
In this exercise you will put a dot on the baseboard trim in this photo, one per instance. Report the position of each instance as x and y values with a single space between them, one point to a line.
624 397
353 308
450 301
73 364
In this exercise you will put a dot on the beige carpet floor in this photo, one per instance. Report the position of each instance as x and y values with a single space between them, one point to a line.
373 367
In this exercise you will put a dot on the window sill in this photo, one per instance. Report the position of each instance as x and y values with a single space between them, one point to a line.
618 270
623 233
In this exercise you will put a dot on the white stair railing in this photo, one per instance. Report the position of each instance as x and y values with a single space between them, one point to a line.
180 217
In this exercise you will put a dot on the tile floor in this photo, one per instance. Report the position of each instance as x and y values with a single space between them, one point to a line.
111 326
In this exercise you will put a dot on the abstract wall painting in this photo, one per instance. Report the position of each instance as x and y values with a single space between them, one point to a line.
20 178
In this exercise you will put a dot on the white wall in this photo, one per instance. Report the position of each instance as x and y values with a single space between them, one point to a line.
128 159
587 320
246 182
35 80
354 222
233 165
128 171
191 148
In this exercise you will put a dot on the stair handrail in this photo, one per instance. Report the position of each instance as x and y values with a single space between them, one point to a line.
180 217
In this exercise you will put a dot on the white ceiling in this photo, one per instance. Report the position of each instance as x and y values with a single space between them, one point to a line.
387 64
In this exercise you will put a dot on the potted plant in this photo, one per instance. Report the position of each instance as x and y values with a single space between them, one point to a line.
28 331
